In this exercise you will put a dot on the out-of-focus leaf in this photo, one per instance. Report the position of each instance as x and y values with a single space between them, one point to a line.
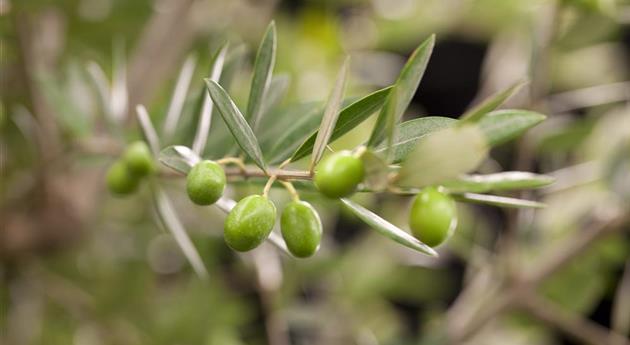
617 171
179 158
277 90
179 96
205 118
331 114
376 171
406 87
496 200
442 156
294 134
263 67
500 181
148 130
119 94
235 121
621 309
233 64
171 221
388 229
504 125
350 117
409 132
491 103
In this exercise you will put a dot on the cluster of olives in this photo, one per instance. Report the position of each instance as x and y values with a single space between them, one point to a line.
136 163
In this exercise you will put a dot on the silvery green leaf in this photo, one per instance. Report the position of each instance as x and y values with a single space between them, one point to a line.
277 90
491 103
148 130
388 229
237 124
350 117
507 180
263 67
179 158
287 141
376 171
406 87
179 96
495 200
409 132
119 99
331 114
443 155
504 125
205 118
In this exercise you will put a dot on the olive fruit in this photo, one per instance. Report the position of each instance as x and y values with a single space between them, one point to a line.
433 216
301 228
249 223
205 183
339 174
120 180
139 158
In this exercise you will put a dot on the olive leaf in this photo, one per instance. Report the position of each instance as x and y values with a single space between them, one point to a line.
442 156
388 229
235 121
263 67
171 221
293 135
179 158
409 132
205 118
504 125
148 130
178 99
277 90
491 103
495 200
331 114
507 180
406 87
349 117
376 171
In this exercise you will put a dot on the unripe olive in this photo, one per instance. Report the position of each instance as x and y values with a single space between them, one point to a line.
249 223
301 228
339 174
139 158
433 216
120 180
205 183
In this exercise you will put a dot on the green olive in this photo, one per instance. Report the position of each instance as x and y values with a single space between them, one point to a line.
339 174
433 216
249 223
120 180
205 183
301 228
139 158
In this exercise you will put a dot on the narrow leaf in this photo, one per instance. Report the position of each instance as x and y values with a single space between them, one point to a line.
179 158
237 124
294 134
203 128
376 171
119 94
388 229
409 132
171 221
263 67
179 96
277 90
349 118
331 114
442 156
148 130
504 125
491 103
507 180
496 200
406 87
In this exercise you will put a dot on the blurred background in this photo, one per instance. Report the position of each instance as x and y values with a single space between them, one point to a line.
81 267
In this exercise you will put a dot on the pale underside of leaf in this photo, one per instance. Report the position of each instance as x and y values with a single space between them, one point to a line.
491 103
179 96
179 158
388 229
236 123
148 130
507 180
331 114
495 200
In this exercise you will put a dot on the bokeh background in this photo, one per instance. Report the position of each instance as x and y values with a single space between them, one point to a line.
81 267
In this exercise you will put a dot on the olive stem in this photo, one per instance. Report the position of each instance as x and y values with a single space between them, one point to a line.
232 160
270 182
289 187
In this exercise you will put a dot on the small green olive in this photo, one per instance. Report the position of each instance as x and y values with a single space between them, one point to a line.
205 183
339 174
249 223
120 180
433 216
301 228
139 158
